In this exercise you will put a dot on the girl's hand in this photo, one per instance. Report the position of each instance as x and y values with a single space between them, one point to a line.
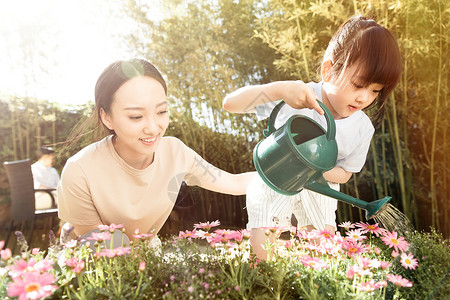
297 95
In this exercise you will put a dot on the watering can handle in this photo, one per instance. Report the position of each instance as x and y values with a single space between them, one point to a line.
331 126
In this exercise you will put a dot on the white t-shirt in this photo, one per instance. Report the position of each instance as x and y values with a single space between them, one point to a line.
98 187
353 134
44 176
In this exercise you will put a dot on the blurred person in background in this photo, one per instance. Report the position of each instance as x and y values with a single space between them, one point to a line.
45 176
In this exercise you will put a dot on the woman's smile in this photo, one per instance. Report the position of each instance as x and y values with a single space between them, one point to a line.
149 141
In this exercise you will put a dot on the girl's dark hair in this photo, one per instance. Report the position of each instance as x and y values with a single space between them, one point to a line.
363 41
109 81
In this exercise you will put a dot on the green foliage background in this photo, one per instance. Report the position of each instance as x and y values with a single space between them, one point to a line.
206 49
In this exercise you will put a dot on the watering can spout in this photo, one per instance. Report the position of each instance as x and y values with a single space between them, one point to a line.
371 208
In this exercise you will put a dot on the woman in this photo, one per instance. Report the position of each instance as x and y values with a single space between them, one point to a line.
133 175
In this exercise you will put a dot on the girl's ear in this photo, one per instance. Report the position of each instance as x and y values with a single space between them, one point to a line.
326 70
106 119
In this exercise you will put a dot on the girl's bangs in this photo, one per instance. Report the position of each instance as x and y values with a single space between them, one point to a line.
378 57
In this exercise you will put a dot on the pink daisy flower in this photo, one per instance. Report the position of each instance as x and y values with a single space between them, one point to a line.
71 244
143 236
392 240
111 228
372 228
5 254
207 225
408 261
354 248
205 235
398 280
220 238
44 265
240 235
76 265
371 285
355 235
325 234
119 251
187 234
99 237
142 266
313 262
385 264
364 262
329 247
32 285
355 269
21 267
225 232
122 250
347 225
288 244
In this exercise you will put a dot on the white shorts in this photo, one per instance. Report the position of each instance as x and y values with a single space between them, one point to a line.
267 208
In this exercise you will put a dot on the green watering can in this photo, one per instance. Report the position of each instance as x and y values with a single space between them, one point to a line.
296 155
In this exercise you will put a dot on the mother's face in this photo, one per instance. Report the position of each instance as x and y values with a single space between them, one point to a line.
139 116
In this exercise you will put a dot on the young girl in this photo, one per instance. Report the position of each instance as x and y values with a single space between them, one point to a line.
360 68
133 175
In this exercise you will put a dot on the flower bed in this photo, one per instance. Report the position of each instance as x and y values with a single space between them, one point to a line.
364 262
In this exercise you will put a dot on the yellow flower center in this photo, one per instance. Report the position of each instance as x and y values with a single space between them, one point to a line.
407 261
370 227
32 287
353 249
394 241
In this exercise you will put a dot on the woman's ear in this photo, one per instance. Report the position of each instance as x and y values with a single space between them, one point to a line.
326 70
106 119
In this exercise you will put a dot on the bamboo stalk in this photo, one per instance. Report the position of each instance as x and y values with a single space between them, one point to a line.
355 6
392 119
434 200
446 208
378 183
302 44
355 186
383 153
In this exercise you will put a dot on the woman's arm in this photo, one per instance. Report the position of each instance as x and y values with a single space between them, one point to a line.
83 229
227 183
295 93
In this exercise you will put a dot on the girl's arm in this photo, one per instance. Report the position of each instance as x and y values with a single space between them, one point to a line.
337 175
295 93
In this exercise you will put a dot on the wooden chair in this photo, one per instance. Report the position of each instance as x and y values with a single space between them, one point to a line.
23 205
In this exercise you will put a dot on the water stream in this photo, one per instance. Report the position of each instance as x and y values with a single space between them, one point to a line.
392 219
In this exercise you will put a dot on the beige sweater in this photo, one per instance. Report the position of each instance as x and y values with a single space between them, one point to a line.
98 187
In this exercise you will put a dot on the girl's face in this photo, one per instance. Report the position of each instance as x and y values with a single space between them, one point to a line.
346 95
139 116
